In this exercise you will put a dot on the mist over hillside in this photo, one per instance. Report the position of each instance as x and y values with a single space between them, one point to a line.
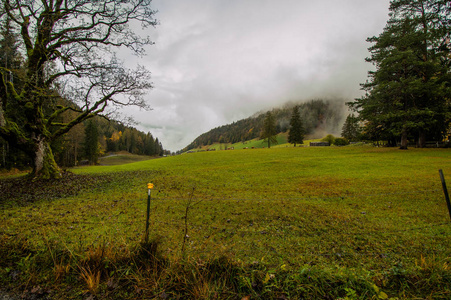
319 117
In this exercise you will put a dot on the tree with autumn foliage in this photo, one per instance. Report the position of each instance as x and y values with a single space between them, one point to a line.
67 46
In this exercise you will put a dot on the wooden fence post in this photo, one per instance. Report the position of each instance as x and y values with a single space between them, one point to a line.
445 190
149 187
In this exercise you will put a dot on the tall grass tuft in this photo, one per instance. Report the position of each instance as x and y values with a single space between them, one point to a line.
91 278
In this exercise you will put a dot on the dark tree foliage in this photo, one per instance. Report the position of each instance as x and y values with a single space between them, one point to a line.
408 96
341 142
296 133
351 128
91 144
269 131
11 59
69 44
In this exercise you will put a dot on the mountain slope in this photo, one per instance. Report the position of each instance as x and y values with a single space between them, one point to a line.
318 116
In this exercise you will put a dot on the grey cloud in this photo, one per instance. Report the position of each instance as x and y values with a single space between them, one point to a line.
215 61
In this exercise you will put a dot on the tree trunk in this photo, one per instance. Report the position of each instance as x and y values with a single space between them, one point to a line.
422 139
44 165
75 154
2 114
5 151
403 139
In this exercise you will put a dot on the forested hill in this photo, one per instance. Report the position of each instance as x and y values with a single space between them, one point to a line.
323 116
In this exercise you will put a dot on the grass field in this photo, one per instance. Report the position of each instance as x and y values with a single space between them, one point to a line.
121 158
316 223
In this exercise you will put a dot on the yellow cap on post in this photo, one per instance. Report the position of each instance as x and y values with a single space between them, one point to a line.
150 186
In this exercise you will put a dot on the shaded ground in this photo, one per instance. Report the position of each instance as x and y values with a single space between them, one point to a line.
4 296
24 191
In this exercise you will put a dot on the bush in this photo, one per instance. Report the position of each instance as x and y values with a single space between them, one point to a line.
341 142
329 138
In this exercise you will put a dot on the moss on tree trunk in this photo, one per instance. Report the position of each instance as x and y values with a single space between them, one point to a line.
44 165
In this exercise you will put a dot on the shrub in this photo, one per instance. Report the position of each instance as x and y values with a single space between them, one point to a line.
329 138
341 142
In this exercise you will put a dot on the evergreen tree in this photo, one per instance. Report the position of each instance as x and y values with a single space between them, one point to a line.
157 147
133 142
269 132
149 144
409 93
351 128
296 133
91 145
10 61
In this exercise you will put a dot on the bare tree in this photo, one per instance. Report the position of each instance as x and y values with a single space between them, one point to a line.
69 49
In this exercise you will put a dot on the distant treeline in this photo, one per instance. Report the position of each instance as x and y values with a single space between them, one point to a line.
73 148
324 115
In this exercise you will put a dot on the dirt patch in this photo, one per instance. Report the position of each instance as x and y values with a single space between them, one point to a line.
24 191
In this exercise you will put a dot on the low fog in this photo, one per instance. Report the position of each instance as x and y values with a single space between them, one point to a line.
215 62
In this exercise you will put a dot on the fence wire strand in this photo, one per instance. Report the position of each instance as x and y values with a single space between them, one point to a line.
134 225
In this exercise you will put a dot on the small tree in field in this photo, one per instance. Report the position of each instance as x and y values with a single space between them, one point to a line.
269 132
329 138
296 133
68 48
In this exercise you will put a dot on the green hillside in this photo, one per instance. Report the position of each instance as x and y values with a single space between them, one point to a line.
322 116
282 141
255 143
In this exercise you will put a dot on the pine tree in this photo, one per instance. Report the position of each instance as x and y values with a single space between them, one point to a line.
157 147
296 133
149 145
10 64
351 128
269 130
408 95
91 145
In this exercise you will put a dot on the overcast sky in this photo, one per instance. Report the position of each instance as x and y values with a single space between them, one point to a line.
218 61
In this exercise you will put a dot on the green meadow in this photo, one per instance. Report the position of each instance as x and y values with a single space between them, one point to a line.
283 223
282 141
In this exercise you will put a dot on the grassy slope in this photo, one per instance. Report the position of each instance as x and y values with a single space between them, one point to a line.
373 214
122 158
282 142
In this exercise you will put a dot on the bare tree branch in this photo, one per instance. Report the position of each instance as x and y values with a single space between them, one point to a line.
70 43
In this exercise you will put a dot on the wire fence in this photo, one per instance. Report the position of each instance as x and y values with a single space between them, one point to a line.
262 225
